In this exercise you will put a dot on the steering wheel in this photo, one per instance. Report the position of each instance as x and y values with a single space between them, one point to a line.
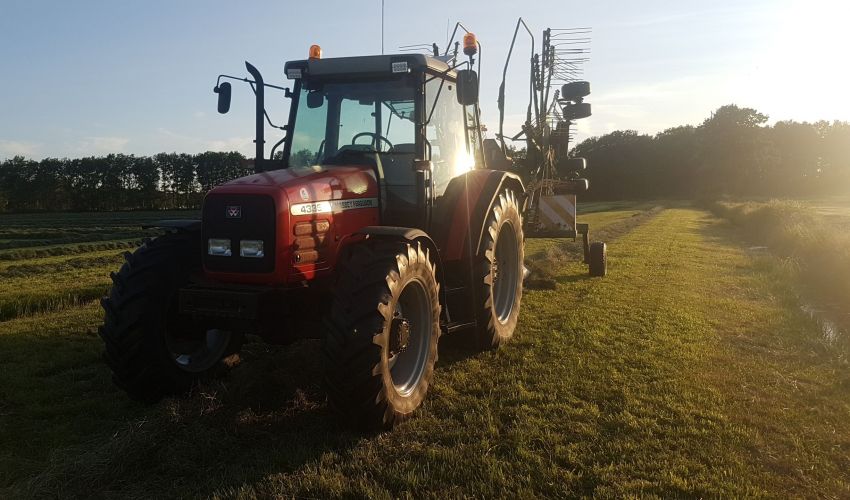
376 140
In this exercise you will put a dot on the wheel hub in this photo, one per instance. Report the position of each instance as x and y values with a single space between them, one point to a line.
198 353
399 335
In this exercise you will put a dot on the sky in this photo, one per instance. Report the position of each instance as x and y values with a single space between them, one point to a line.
96 77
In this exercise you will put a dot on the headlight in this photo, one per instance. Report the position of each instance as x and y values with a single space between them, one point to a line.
251 248
219 247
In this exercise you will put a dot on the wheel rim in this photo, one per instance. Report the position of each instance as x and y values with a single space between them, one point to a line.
196 355
409 356
505 272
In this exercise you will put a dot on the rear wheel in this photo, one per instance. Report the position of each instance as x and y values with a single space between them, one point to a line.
152 350
499 271
382 336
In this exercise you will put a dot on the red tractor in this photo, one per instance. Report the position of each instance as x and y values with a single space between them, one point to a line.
378 229
377 226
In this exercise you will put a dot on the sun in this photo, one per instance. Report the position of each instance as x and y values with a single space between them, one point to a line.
804 72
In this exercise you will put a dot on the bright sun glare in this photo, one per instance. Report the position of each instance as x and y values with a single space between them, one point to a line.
805 73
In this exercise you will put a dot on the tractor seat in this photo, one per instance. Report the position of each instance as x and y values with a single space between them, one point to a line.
398 164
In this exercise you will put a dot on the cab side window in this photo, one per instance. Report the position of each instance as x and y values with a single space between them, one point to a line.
446 134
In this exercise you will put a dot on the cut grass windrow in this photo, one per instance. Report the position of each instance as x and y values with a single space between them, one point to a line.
27 304
37 293
684 373
71 249
108 259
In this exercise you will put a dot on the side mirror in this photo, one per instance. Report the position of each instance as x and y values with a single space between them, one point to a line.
223 92
315 100
467 87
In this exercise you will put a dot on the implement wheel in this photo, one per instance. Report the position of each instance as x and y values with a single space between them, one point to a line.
154 351
598 259
381 344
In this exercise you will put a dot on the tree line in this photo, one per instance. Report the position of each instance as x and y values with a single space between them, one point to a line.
116 181
733 152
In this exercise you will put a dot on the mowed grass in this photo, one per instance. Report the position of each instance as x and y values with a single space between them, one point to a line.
688 371
49 262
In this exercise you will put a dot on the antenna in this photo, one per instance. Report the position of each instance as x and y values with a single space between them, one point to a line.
382 27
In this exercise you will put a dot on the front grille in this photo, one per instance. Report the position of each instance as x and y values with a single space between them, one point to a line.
240 217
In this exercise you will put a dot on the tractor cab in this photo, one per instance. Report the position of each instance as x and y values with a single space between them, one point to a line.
402 117
399 115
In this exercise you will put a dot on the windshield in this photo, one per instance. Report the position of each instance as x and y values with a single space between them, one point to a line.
335 120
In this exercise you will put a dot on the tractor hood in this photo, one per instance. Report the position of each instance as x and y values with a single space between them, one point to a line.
309 184
300 214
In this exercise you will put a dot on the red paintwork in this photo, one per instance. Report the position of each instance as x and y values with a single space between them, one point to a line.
322 184
462 214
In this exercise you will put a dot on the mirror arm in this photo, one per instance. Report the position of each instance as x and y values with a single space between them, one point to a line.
247 80
266 113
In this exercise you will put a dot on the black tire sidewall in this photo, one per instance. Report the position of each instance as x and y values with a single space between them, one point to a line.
598 259
417 268
139 305
357 376
505 212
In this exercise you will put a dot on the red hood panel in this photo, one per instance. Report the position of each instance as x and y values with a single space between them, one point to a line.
305 186
318 183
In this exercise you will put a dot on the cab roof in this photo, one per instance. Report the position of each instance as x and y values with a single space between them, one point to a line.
365 66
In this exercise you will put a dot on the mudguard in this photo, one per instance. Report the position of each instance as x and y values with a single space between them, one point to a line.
460 214
408 234
412 235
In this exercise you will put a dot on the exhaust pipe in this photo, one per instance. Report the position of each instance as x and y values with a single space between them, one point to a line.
260 142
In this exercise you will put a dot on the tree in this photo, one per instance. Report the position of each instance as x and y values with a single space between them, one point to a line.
733 151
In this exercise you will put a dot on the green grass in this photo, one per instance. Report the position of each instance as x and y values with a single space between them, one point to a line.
688 371
812 236
49 262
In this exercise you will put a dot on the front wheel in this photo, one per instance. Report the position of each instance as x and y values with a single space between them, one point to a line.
381 344
153 350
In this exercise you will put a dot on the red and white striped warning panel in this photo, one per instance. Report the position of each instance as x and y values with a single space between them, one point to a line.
558 212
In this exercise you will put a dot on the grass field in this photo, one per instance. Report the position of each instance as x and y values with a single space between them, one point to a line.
812 239
689 371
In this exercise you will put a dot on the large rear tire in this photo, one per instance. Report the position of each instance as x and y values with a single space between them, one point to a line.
499 272
383 329
152 350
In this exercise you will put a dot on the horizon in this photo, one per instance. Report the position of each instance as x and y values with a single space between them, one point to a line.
116 89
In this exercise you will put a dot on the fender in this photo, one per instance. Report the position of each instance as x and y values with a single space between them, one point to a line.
411 235
461 212
408 234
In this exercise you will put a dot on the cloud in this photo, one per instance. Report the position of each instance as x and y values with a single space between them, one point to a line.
101 145
245 145
14 148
